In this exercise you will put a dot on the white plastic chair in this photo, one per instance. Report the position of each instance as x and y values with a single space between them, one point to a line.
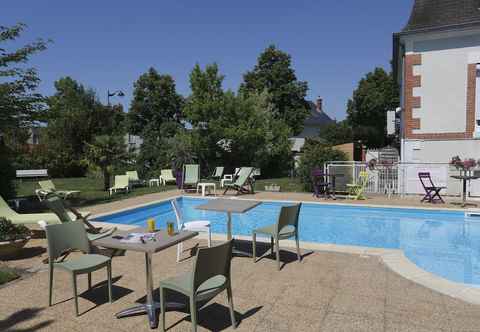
195 226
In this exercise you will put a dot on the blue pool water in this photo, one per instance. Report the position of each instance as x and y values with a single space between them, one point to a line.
442 242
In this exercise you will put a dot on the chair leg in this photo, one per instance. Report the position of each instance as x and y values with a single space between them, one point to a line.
277 249
162 308
89 280
299 256
179 251
50 285
271 244
193 313
254 247
109 278
230 305
75 296
209 237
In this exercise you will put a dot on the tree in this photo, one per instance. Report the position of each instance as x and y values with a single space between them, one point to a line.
375 94
315 155
155 102
207 96
337 133
273 73
75 116
205 110
105 152
19 103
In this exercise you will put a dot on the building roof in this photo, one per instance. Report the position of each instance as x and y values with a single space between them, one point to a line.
316 118
442 14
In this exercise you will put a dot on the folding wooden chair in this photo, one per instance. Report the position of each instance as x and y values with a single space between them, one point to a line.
432 192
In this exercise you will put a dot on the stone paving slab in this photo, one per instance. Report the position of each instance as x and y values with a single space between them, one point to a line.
324 292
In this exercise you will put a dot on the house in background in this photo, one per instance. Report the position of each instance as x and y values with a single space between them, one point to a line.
437 66
312 125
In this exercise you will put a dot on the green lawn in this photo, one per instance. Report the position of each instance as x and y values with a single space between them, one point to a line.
7 275
92 189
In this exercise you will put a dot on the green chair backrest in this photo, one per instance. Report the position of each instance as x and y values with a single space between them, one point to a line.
167 174
363 178
47 185
211 262
288 216
243 175
132 175
5 210
191 174
121 181
56 204
218 172
62 237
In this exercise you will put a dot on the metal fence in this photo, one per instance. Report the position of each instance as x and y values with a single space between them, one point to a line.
399 178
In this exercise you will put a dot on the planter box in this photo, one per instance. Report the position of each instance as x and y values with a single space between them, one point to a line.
9 249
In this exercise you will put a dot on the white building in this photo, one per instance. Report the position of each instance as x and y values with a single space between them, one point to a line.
437 66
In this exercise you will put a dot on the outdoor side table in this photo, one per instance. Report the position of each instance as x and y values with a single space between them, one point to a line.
206 186
230 206
465 179
152 182
163 241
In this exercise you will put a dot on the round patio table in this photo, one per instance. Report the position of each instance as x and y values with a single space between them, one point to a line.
465 179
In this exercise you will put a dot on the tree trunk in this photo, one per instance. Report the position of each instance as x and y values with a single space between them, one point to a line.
106 179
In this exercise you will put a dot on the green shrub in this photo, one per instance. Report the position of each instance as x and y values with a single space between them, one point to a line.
315 155
9 231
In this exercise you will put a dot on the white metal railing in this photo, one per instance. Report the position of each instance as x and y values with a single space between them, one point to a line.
398 178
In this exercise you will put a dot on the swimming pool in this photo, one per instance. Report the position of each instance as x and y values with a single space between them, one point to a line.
442 242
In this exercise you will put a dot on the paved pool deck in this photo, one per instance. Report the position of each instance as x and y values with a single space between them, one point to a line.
324 292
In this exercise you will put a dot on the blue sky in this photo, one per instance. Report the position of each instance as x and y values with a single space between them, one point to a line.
108 44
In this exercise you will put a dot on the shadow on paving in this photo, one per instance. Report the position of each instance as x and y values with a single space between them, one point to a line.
27 253
286 256
214 317
9 323
99 294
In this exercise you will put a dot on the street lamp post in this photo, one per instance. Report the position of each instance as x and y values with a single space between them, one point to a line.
118 93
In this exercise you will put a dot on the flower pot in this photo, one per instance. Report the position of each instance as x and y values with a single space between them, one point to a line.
9 249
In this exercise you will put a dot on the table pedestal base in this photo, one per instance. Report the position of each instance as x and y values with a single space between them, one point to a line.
150 310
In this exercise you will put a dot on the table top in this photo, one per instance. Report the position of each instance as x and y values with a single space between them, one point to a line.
228 205
465 177
163 241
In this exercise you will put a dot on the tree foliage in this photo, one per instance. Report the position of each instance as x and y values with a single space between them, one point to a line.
375 94
336 133
274 73
315 155
155 102
75 117
20 104
105 152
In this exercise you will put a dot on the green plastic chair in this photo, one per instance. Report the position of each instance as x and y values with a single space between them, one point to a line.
240 184
285 228
122 182
133 178
356 190
210 276
166 175
72 236
218 173
57 205
191 176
